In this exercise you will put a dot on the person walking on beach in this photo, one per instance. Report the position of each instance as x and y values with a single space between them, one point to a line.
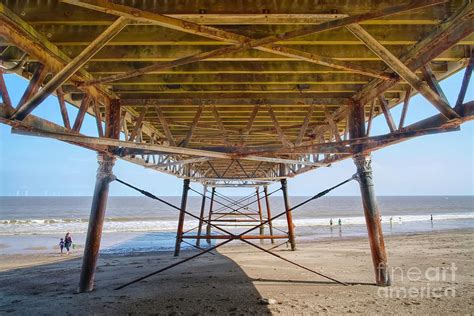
61 244
67 242
330 222
340 222
431 217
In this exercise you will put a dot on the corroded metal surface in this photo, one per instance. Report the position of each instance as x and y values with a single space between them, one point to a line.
224 93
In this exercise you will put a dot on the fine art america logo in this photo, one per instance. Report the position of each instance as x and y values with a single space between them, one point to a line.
430 279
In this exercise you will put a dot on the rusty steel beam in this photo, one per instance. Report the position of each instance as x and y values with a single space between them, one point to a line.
404 71
4 92
451 31
209 217
68 71
236 237
34 85
371 211
85 104
433 83
201 215
304 126
281 135
243 42
373 219
33 122
447 34
184 202
63 109
138 124
259 204
96 222
191 130
98 117
406 103
465 82
269 212
165 126
386 112
289 216
248 128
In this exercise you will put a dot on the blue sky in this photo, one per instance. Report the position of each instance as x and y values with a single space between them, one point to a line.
439 164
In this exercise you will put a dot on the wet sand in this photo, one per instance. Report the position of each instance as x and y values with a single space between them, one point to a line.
234 279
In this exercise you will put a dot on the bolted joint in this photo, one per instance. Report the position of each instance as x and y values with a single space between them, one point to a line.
186 183
283 184
364 166
104 170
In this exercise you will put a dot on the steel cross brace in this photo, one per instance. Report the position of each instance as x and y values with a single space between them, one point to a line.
238 237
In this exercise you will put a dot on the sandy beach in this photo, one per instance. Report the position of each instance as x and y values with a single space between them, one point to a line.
234 279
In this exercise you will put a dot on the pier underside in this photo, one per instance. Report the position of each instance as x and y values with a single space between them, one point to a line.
235 93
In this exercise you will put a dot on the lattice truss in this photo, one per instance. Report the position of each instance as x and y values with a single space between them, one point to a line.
234 92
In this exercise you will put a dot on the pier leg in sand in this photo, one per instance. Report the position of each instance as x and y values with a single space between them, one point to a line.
372 215
179 233
211 205
289 216
201 215
269 212
366 184
96 222
260 213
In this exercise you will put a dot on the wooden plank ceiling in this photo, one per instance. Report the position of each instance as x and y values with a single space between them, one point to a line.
245 100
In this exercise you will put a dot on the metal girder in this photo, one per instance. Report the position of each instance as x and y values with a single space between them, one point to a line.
242 41
66 72
401 69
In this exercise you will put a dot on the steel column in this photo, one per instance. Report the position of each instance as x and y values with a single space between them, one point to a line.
96 222
208 228
289 216
269 212
372 219
184 201
201 215
371 211
259 211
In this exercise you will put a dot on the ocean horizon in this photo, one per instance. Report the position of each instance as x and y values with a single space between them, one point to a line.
139 224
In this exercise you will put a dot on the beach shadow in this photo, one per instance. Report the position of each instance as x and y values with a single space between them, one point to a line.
210 284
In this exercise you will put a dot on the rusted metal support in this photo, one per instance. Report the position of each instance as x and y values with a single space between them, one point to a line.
70 69
371 211
208 228
138 124
403 70
4 92
63 108
465 82
201 215
85 104
269 212
243 237
34 85
259 211
96 222
243 42
406 103
289 216
184 202
372 219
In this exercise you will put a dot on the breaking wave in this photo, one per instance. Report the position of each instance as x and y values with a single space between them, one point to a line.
134 224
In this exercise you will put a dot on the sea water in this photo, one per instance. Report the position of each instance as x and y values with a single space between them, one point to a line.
135 224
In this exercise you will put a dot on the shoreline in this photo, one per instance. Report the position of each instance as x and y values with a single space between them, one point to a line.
234 279
53 255
145 241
